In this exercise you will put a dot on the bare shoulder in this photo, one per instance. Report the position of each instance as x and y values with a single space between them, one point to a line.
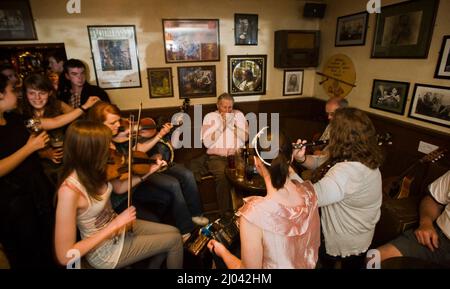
70 197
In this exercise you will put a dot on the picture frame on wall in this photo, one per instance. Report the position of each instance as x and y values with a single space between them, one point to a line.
246 29
247 74
191 40
160 82
115 56
293 82
389 95
405 30
16 21
197 81
351 29
443 65
431 103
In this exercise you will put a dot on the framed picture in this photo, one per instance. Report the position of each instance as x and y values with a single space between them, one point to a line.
389 95
404 30
160 82
247 74
431 103
293 82
16 21
351 29
443 65
115 56
246 29
197 81
191 40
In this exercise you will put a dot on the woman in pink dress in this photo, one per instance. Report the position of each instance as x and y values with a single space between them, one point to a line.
282 229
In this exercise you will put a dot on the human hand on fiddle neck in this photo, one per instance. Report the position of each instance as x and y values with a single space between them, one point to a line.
299 154
156 167
165 129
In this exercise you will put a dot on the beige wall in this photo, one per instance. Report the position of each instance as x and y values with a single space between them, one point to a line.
367 69
54 24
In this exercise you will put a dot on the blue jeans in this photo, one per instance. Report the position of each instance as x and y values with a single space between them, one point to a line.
180 184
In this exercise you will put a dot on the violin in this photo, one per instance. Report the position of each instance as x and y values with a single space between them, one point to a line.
147 129
117 166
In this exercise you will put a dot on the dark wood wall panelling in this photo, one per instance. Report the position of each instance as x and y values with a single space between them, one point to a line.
303 117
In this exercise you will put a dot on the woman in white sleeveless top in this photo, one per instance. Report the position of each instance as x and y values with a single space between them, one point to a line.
84 201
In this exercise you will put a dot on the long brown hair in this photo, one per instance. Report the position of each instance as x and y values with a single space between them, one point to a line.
40 82
353 138
86 151
100 109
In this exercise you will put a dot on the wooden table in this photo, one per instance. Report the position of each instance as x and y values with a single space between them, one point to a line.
243 188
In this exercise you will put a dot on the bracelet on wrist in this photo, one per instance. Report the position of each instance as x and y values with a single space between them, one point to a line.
82 109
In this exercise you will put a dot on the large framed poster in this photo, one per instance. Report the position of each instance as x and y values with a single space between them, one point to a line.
115 56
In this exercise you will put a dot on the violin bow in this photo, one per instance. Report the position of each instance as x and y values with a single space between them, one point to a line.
130 159
138 124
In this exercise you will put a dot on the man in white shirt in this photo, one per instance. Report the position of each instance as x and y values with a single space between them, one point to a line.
431 240
223 132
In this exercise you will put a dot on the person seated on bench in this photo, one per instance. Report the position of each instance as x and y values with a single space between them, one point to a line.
431 240
223 132
108 240
176 183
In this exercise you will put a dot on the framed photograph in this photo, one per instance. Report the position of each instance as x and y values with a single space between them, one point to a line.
351 29
389 96
191 40
197 81
115 56
443 65
404 30
160 82
293 82
16 21
246 29
247 74
431 103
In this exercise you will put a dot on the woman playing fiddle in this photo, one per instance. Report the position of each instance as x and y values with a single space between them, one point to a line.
177 182
84 201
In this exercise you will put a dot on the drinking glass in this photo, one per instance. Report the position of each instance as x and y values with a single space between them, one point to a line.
57 141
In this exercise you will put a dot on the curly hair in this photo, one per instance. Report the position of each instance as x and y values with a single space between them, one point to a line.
353 138
40 82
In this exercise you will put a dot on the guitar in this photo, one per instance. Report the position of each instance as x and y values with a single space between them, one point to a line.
164 147
400 187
